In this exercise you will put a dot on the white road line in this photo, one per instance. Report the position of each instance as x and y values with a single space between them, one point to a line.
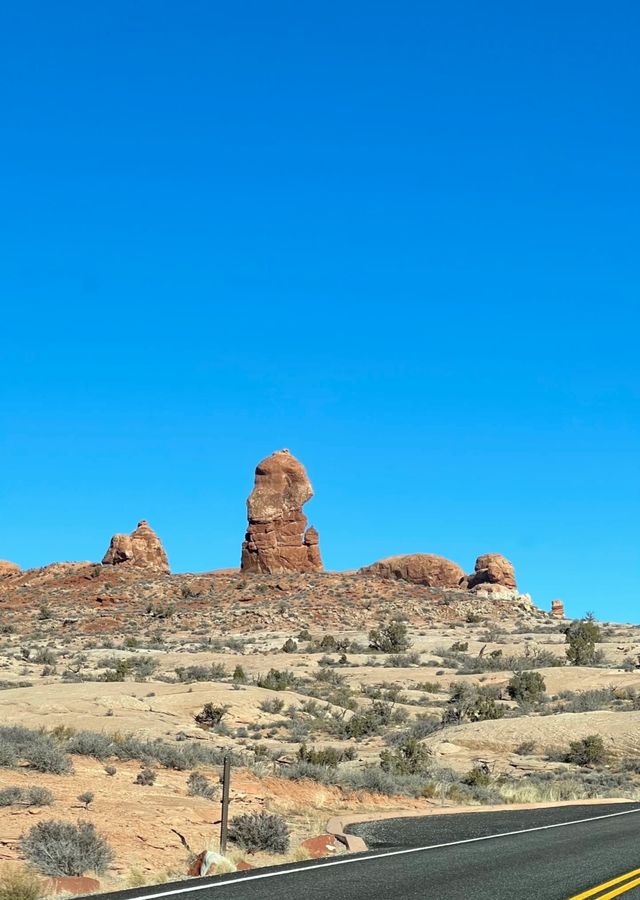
361 859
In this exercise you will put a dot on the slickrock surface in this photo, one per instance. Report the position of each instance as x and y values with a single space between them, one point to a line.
142 549
8 568
276 540
419 568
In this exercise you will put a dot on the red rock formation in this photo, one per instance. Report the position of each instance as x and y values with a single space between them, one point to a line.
141 549
8 568
557 609
421 568
491 568
276 540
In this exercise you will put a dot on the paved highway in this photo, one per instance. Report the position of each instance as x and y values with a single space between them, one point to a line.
576 852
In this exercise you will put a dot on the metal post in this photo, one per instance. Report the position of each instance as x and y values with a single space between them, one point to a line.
226 782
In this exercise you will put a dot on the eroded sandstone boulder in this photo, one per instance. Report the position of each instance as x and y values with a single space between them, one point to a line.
492 569
8 568
421 568
141 549
277 538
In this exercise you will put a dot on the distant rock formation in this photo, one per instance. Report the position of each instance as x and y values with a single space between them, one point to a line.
276 540
492 569
8 568
421 568
141 549
557 609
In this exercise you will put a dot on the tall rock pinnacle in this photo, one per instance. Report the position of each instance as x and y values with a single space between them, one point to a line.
276 539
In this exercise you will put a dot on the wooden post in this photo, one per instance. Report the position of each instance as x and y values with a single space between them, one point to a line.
226 782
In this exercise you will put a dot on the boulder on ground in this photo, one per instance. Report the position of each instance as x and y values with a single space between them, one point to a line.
141 549
276 539
420 568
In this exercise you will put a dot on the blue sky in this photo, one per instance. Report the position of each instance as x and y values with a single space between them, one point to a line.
400 239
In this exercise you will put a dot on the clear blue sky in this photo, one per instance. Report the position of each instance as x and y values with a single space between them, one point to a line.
399 238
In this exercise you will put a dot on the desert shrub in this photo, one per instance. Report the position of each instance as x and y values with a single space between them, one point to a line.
526 687
371 721
392 638
19 884
210 715
430 687
473 618
526 748
419 728
189 674
588 701
582 636
199 786
289 646
8 757
469 703
86 798
239 675
110 770
60 848
410 758
477 777
46 755
260 831
588 751
329 757
402 660
46 657
277 680
146 776
459 647
272 705
91 743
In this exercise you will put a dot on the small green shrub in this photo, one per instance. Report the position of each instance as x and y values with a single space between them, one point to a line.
199 786
391 638
588 751
146 776
526 687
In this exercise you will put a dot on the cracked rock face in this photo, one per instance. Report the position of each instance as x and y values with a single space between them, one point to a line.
277 538
141 549
421 568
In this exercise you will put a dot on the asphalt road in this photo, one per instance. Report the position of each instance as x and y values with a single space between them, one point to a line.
483 857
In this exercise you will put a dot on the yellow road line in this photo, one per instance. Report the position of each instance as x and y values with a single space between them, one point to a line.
621 890
601 887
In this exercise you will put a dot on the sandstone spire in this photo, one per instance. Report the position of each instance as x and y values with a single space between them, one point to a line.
276 540
141 549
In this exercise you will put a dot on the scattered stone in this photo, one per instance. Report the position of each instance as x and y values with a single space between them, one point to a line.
141 549
557 609
8 568
420 568
320 845
276 540
491 568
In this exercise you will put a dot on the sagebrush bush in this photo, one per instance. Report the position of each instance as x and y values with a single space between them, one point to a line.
211 715
8 757
277 680
214 672
392 638
260 831
46 755
146 776
61 848
200 786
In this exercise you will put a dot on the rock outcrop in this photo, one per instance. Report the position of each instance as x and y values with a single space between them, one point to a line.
557 609
421 568
8 568
141 549
492 569
276 539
